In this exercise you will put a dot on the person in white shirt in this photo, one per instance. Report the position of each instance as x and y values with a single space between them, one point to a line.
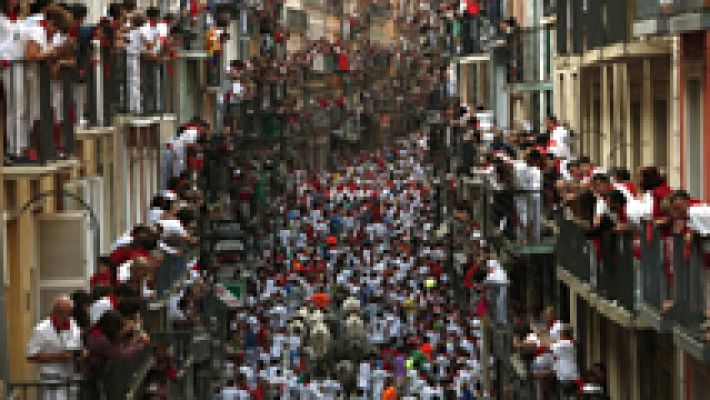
565 362
134 48
53 344
559 144
172 231
233 392
12 48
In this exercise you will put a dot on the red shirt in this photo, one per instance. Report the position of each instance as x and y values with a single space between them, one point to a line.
468 279
127 253
101 279
660 193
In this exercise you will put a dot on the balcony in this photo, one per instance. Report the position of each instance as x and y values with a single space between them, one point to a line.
641 278
524 69
511 219
601 267
665 17
549 7
41 129
140 375
673 291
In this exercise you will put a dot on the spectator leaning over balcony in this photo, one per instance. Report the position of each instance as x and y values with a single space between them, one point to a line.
11 53
655 189
559 141
104 344
45 34
53 345
84 33
174 233
64 41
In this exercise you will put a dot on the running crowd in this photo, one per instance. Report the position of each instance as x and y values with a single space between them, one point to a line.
357 300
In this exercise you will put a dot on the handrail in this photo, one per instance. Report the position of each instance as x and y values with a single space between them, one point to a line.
603 260
30 126
66 389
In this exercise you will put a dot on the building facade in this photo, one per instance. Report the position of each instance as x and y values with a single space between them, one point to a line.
629 79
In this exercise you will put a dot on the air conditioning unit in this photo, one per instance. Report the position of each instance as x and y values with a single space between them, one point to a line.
90 191
65 255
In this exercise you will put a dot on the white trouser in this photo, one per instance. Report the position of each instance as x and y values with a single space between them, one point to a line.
16 128
57 100
33 93
521 204
134 83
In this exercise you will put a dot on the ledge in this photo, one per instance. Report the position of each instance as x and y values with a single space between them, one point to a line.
94 131
651 27
548 20
536 86
567 62
28 171
620 51
70 163
531 249
608 308
655 319
699 349
193 54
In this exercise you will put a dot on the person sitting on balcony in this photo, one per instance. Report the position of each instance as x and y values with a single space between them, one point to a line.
54 342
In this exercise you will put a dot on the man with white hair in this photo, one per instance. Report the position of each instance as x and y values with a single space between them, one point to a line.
53 343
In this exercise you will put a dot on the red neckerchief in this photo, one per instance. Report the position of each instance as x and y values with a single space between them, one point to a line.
60 326
11 15
96 332
153 23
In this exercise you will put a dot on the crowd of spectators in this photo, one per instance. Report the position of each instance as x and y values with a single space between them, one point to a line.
89 333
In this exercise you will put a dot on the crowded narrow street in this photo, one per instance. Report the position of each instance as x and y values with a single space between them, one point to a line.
354 199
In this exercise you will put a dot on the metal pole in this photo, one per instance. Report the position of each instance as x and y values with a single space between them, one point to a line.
3 321
46 141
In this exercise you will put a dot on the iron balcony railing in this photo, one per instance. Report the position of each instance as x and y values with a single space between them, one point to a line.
549 7
603 260
65 390
169 272
524 50
40 115
655 289
136 84
511 215
648 9
673 276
